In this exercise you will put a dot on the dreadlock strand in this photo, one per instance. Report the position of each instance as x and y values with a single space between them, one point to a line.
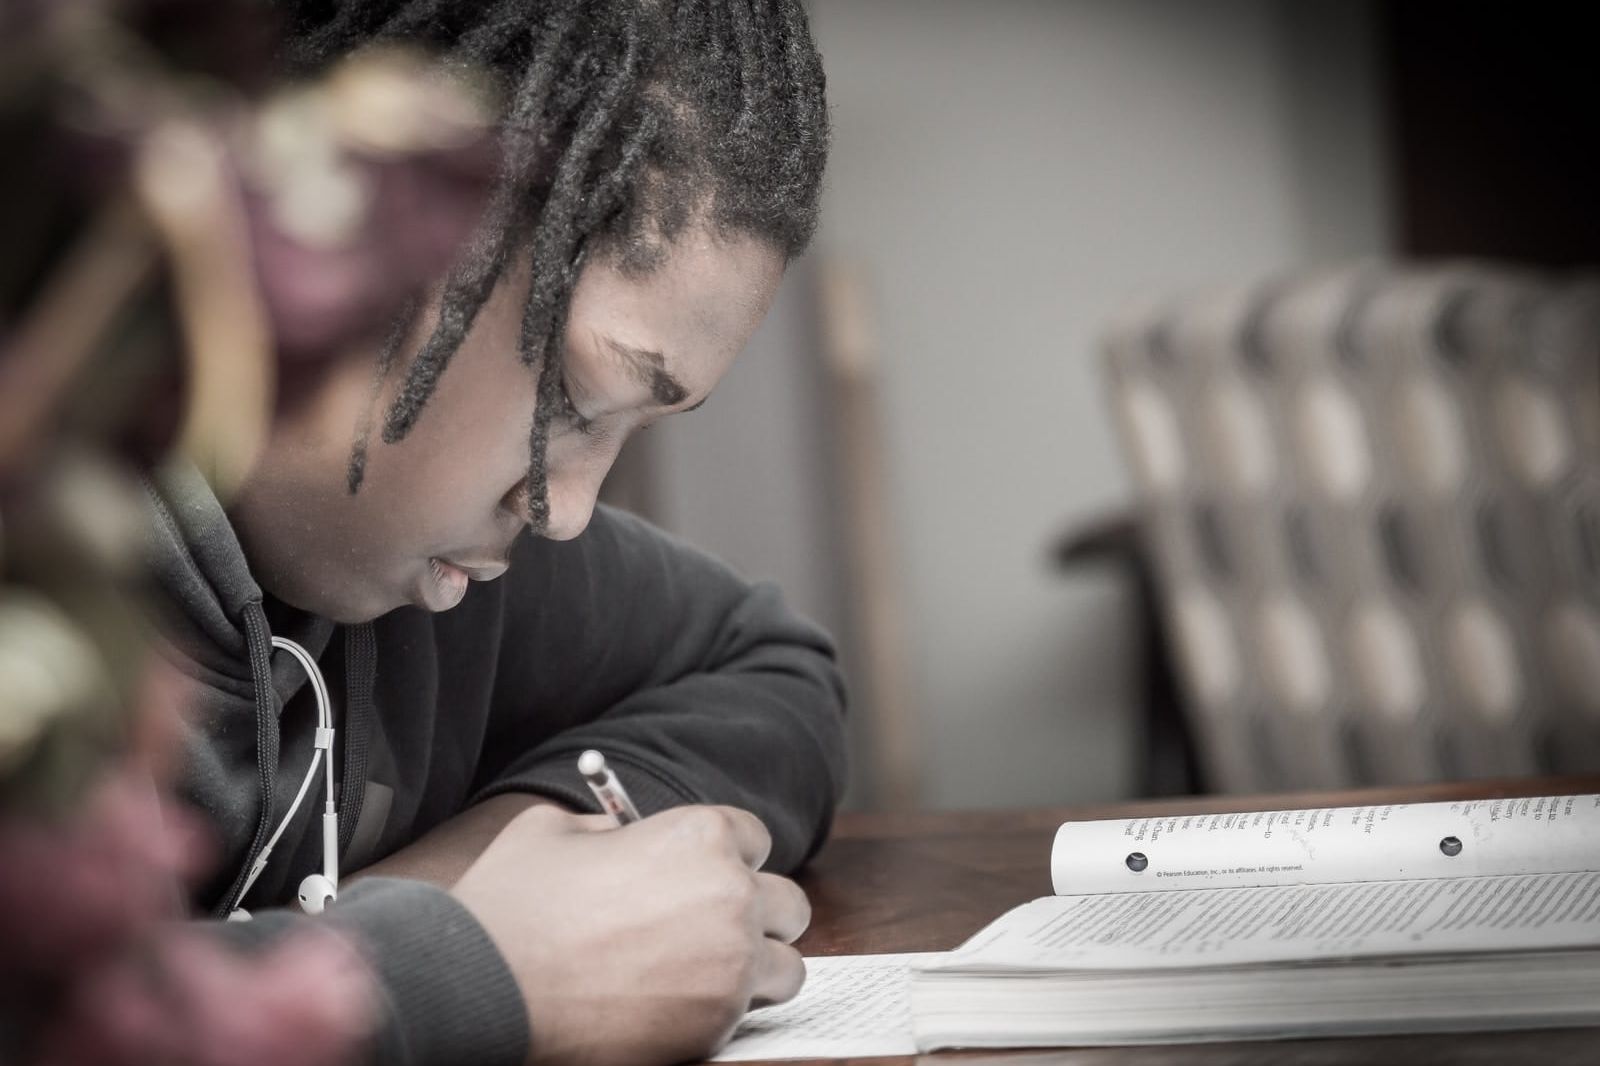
505 22
399 330
470 288
744 36
471 283
548 404
560 242
417 18
557 237
528 122
550 398
352 20
465 292
609 195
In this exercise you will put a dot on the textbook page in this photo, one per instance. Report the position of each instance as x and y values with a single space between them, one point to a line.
1286 923
851 1006
1329 844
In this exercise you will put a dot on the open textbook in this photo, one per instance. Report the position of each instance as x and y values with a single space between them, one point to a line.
1403 918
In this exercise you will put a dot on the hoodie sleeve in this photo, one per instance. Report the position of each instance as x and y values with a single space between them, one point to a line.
698 686
447 993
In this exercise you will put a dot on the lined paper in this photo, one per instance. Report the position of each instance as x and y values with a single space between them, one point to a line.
852 1006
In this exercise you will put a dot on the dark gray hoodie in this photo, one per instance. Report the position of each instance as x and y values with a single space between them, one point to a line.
699 688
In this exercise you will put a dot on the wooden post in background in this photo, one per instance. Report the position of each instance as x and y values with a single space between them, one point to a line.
850 363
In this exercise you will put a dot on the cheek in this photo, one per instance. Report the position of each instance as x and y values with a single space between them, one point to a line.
440 487
466 476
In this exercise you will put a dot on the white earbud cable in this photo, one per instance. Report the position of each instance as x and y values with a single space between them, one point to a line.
324 743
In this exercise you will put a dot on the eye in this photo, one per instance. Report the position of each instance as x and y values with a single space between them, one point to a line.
572 416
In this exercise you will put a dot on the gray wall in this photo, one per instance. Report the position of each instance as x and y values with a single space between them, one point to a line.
1006 175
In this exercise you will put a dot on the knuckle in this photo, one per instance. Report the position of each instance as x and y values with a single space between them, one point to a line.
737 892
711 829
801 905
791 891
753 825
706 825
788 908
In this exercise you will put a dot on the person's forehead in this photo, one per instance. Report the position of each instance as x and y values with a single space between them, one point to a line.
704 283
700 303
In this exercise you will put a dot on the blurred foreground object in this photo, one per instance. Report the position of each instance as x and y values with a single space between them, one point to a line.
1372 502
187 247
189 254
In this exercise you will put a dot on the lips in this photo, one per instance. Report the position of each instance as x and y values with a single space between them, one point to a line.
487 570
441 586
444 582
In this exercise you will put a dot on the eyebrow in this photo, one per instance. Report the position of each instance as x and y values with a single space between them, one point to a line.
650 368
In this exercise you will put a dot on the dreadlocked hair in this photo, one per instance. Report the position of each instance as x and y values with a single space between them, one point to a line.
623 122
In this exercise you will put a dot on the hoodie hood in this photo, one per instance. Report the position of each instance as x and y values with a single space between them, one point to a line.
199 568
213 620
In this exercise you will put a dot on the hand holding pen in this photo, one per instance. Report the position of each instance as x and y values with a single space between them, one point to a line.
625 921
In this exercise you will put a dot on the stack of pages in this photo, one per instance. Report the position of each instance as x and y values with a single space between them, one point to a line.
1343 920
1414 918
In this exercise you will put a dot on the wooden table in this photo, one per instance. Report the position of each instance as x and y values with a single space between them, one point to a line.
925 882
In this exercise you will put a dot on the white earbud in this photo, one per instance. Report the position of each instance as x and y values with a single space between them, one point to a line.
319 890
316 892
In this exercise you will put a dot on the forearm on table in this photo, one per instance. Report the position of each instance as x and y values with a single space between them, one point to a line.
443 854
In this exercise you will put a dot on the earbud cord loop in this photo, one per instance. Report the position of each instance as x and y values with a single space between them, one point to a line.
324 743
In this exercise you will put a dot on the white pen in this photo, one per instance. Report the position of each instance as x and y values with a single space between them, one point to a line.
606 788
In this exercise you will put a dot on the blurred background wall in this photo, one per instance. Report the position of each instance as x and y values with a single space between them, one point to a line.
1005 177
1008 175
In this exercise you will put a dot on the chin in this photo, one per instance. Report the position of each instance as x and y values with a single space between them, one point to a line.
349 607
375 607
351 616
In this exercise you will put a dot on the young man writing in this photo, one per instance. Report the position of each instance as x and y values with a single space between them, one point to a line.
424 525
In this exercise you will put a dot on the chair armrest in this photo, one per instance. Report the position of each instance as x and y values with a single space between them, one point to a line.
1109 537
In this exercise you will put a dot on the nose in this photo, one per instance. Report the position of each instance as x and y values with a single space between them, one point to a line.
572 504
573 489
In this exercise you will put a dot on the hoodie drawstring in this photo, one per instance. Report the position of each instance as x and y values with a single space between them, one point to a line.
258 641
360 671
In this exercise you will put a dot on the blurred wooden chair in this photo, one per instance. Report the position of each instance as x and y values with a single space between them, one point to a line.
1369 509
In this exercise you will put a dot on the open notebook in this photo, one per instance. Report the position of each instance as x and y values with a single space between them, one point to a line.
1404 918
